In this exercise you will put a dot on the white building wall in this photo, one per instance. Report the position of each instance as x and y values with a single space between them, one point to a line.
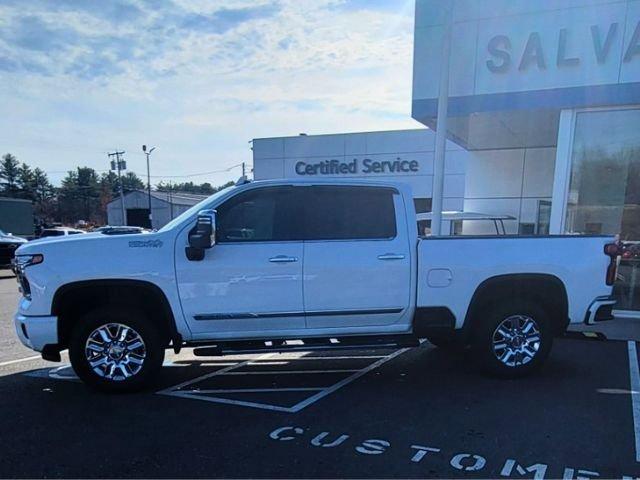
278 157
509 181
501 181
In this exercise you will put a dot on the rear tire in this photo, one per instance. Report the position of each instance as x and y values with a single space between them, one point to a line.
513 339
116 349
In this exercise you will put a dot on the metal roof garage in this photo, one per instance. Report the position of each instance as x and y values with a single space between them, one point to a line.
165 206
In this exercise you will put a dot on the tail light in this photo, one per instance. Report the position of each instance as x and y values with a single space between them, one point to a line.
612 250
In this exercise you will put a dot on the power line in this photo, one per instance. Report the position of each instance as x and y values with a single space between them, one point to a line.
190 175
199 174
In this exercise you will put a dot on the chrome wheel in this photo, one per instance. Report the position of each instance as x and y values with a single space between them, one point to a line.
516 341
115 351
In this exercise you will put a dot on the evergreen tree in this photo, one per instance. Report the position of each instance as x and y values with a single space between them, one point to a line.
131 181
26 182
9 170
79 196
190 187
44 195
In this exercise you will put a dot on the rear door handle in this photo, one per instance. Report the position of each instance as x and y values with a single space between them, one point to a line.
391 256
283 259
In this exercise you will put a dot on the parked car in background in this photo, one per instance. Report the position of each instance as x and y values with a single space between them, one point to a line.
8 245
119 230
60 232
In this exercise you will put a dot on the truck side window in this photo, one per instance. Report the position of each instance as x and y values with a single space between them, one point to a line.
349 213
260 215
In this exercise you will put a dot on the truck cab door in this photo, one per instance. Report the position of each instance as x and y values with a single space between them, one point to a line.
250 282
357 269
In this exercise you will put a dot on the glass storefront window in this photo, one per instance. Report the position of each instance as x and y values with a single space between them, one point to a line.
604 190
544 217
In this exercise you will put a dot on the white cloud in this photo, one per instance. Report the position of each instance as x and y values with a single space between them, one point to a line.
197 78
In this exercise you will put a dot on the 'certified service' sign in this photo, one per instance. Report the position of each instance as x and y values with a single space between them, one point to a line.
356 167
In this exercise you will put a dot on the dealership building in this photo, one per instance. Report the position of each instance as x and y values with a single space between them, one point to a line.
543 122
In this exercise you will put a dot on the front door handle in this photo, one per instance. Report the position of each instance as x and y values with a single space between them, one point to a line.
283 259
391 256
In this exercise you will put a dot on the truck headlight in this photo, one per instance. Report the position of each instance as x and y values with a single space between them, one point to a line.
23 261
19 264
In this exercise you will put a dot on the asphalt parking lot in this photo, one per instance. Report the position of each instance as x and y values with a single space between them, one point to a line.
377 413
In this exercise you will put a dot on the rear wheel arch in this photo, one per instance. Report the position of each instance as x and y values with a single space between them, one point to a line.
73 300
546 289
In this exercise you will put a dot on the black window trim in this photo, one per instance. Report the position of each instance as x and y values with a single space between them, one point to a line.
250 241
394 192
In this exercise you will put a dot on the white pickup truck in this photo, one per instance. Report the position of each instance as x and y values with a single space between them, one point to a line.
327 264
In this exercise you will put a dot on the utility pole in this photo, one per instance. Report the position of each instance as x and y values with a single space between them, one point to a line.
119 165
148 154
243 171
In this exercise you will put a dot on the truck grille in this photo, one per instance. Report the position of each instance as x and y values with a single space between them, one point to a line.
25 288
7 252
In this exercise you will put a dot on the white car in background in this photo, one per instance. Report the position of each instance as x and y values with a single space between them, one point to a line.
60 232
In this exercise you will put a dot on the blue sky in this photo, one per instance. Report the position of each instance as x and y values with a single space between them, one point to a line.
196 78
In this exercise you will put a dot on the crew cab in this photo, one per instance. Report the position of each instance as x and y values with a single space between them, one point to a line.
280 265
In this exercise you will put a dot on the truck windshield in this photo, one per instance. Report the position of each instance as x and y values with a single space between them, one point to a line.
193 210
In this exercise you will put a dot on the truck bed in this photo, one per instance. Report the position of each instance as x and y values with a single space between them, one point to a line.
450 269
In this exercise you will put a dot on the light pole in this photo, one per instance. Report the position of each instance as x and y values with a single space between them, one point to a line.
119 165
148 154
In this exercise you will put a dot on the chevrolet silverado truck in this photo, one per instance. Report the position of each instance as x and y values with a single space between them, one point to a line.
302 265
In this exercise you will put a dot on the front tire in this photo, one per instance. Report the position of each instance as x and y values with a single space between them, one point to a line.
116 349
513 339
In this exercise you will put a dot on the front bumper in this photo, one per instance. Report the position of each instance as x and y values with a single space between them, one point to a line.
600 310
36 332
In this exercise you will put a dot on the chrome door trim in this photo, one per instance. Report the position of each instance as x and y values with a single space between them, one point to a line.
248 315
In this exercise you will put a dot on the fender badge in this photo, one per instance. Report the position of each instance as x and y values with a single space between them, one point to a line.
145 244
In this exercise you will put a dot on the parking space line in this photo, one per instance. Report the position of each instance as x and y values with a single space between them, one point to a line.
321 392
185 363
222 371
327 391
55 373
19 360
634 378
317 358
260 390
242 403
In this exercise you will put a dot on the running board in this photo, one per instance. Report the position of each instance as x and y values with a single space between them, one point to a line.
305 345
